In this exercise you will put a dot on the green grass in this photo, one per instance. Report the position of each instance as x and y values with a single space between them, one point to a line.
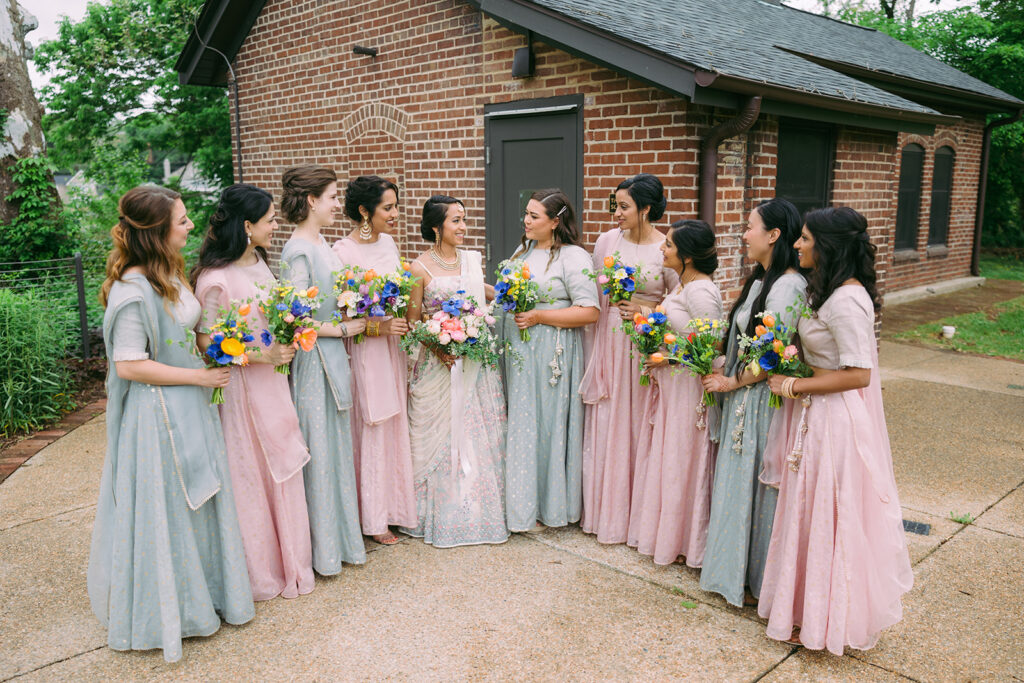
966 518
995 333
1002 266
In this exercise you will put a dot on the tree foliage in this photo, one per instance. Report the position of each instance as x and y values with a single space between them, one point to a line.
112 82
987 42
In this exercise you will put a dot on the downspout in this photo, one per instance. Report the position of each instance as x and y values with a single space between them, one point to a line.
979 216
709 155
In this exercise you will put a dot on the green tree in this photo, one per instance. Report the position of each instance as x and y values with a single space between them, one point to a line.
112 82
987 42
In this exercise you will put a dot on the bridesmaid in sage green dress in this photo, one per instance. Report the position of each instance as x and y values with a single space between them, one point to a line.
167 560
544 449
321 380
742 507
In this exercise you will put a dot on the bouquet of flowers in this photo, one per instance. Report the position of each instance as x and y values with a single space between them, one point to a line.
616 279
516 291
229 334
394 290
698 349
648 334
289 316
771 351
461 329
353 287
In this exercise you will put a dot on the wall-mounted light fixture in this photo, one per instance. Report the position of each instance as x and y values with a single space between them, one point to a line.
360 50
522 59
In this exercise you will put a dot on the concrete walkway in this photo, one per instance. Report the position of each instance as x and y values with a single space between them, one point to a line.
559 605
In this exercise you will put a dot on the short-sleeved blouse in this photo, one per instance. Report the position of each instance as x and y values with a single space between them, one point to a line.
130 340
562 281
782 300
698 299
842 334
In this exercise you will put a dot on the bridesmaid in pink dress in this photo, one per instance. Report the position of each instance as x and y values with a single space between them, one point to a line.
380 426
837 564
611 389
265 448
676 458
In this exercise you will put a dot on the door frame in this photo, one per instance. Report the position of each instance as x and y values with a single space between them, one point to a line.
543 106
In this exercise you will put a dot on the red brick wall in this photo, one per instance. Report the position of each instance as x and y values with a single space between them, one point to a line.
414 114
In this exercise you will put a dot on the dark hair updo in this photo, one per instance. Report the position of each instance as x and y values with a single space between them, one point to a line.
435 210
557 205
647 191
366 191
225 239
696 239
842 250
298 184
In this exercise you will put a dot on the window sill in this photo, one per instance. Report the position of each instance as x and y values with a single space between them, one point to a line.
936 250
905 256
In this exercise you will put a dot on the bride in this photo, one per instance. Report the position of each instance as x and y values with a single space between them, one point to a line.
456 407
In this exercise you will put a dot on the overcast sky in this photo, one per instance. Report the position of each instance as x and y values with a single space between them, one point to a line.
49 12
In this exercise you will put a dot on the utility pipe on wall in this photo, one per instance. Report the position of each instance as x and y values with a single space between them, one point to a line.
979 215
709 155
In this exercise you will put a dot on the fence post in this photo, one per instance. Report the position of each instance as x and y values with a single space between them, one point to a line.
83 320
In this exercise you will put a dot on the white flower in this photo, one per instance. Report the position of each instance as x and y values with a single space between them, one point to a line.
444 338
434 327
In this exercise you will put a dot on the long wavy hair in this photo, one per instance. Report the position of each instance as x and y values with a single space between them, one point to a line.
225 240
140 239
842 250
557 205
776 213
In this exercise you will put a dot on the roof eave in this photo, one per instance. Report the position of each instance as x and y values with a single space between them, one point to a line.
201 65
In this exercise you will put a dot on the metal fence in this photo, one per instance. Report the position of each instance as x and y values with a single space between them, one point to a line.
60 283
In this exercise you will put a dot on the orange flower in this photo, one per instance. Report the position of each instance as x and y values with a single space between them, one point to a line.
609 262
306 337
657 357
670 339
232 347
349 274
639 319
778 346
244 309
760 330
406 266
659 309
768 320
312 291
526 270
369 275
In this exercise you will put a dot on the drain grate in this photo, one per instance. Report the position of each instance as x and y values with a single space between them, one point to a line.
919 528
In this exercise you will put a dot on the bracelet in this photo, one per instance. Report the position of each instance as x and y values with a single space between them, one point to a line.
344 329
373 328
787 388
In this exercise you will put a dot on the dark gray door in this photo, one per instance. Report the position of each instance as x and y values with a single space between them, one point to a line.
531 145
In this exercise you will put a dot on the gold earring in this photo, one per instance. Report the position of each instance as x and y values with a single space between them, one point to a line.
365 233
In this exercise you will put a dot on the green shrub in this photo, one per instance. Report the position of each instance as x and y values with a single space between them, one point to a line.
35 385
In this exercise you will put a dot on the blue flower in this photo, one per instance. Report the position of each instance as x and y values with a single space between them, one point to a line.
769 360
217 338
501 287
506 271
362 305
628 284
281 306
687 358
452 306
606 291
645 328
299 309
630 270
767 338
266 338
218 356
247 338
230 324
377 310
350 282
508 305
658 318
460 291
390 289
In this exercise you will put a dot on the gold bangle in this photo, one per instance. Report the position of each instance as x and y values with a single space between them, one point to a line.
373 328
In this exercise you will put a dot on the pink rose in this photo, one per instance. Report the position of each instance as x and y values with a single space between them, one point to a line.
602 279
489 319
434 327
444 338
440 315
289 318
790 352
459 336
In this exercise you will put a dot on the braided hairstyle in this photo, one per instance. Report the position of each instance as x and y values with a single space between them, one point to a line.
225 239
842 250
140 239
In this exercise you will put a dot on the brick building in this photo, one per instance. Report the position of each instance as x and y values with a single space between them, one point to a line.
728 102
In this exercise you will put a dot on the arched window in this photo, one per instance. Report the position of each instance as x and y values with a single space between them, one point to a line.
908 204
942 190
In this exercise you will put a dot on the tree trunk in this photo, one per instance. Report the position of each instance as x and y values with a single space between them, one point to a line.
21 134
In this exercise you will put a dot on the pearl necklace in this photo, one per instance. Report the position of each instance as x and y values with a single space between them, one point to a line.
446 265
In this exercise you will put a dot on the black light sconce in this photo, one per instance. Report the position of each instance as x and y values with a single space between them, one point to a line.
360 50
522 59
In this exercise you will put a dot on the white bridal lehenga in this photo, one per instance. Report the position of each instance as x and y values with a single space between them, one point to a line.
460 492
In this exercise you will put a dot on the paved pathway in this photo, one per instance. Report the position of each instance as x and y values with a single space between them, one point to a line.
559 605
